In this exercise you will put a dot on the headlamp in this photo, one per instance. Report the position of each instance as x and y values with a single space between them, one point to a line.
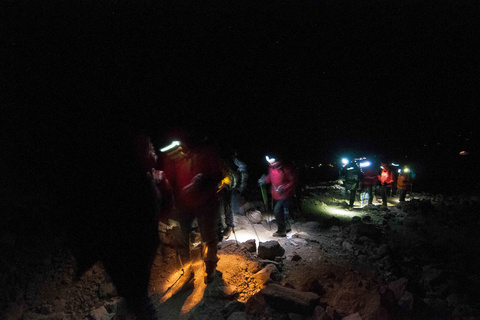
270 160
365 164
170 146
345 161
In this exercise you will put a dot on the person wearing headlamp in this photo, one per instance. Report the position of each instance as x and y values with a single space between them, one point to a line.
351 175
194 170
386 179
283 179
404 181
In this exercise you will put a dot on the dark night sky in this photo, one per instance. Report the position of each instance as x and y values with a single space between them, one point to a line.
311 79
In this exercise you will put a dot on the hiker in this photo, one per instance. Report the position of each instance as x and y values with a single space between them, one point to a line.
194 170
351 175
283 179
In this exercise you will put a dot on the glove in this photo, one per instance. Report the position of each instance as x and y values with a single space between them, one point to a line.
194 184
262 179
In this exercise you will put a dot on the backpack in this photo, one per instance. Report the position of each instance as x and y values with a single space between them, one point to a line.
352 176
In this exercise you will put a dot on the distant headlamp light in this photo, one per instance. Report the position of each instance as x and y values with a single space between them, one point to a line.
345 161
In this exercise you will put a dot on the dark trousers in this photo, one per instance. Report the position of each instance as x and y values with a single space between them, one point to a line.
352 197
402 193
207 217
384 190
282 206
369 191
226 210
235 202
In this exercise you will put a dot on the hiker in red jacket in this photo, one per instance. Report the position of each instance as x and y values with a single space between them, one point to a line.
194 172
386 179
370 180
283 179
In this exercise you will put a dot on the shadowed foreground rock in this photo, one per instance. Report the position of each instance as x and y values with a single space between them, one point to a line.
286 300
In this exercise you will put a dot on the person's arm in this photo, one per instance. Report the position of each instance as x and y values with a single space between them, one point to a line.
268 179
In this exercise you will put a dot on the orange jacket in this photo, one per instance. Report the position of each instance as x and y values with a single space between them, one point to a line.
403 182
386 177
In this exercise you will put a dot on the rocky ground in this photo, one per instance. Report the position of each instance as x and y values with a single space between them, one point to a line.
417 260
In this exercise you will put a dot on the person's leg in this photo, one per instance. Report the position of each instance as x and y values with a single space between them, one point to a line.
288 209
207 217
346 194
183 246
370 194
384 195
225 227
279 212
352 197
229 210
235 202
229 221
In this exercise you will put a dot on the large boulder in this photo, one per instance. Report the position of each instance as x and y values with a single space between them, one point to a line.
270 250
361 229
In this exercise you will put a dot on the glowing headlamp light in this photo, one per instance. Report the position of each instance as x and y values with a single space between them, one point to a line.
365 164
270 160
345 161
170 146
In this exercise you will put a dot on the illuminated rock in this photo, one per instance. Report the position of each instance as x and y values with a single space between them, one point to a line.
270 250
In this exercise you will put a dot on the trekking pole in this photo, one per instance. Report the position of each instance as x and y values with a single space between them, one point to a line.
178 255
265 202
273 213
296 203
254 229
264 196
235 235
181 264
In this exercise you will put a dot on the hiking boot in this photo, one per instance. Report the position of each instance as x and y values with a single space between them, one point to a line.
279 234
210 277
210 269
227 232
288 227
